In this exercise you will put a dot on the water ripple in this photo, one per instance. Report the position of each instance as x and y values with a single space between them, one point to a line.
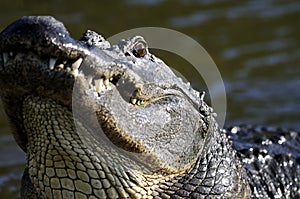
261 9
231 53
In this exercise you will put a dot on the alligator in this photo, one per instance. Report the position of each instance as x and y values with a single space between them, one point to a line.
113 121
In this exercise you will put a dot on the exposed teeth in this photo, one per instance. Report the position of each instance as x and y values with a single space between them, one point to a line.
52 63
98 85
133 101
102 84
138 102
61 66
106 82
77 63
5 56
75 72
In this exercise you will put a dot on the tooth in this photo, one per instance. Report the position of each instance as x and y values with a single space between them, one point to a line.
98 85
5 56
52 63
11 54
133 101
140 102
77 63
75 72
61 66
106 82
101 84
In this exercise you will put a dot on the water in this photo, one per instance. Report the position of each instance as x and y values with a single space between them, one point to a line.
255 45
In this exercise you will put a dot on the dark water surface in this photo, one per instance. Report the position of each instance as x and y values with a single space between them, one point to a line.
255 45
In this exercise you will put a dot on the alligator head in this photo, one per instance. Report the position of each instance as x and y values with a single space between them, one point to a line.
113 120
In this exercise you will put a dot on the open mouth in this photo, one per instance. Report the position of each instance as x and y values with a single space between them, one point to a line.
100 83
140 104
64 56
67 65
129 92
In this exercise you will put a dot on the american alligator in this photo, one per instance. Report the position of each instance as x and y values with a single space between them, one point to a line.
102 121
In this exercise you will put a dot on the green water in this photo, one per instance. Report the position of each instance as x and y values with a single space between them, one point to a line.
255 45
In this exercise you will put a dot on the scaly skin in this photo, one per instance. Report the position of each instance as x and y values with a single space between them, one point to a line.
101 121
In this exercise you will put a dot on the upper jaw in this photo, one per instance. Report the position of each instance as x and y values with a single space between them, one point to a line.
42 34
49 40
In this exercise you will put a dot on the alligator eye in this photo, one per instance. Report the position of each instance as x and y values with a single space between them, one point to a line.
139 49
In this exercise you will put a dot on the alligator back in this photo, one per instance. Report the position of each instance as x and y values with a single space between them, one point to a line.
271 157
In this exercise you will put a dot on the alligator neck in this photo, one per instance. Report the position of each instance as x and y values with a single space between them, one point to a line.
59 163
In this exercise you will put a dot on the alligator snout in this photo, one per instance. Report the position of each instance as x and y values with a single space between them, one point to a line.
44 35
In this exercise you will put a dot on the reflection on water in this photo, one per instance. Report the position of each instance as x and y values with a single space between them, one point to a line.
255 44
264 10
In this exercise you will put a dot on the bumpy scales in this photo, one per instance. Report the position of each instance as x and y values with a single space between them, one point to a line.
102 121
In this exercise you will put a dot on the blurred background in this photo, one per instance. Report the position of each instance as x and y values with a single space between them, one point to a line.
255 45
